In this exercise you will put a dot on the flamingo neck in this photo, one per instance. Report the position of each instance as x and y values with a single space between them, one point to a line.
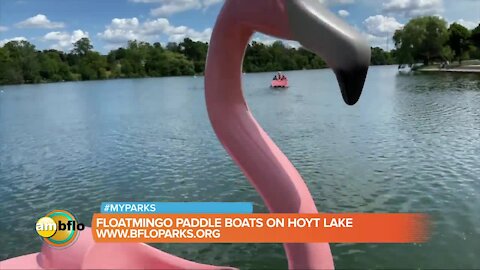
263 163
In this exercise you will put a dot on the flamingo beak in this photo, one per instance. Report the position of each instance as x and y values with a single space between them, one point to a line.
336 42
351 83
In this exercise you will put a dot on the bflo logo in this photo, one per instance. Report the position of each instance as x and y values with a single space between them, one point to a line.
59 228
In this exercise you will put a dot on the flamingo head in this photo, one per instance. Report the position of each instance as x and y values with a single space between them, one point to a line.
341 46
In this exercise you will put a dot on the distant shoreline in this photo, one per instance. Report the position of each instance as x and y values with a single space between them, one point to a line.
467 66
200 75
461 69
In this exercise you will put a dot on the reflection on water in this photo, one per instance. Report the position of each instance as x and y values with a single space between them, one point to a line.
411 144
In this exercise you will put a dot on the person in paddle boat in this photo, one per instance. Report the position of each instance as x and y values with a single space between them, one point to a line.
279 77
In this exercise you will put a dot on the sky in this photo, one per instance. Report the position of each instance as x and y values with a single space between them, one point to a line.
109 24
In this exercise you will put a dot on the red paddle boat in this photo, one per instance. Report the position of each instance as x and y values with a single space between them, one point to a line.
279 81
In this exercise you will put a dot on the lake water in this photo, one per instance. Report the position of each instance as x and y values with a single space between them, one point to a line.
411 144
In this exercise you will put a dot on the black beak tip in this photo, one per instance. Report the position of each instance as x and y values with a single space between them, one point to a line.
351 83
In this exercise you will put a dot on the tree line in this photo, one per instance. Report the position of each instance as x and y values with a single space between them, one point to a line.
423 39
20 62
429 39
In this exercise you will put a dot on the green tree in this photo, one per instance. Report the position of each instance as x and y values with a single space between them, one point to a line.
133 58
10 70
475 36
314 61
24 62
459 40
173 47
256 58
381 57
114 62
175 64
195 51
475 41
156 61
82 46
422 39
52 66
404 47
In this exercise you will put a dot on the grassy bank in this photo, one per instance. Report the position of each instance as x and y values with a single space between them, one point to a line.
470 66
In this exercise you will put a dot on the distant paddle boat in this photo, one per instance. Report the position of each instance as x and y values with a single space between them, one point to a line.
404 69
279 81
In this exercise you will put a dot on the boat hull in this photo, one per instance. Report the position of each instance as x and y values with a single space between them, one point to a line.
279 84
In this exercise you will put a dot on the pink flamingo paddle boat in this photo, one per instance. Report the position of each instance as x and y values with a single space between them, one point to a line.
279 81
267 168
